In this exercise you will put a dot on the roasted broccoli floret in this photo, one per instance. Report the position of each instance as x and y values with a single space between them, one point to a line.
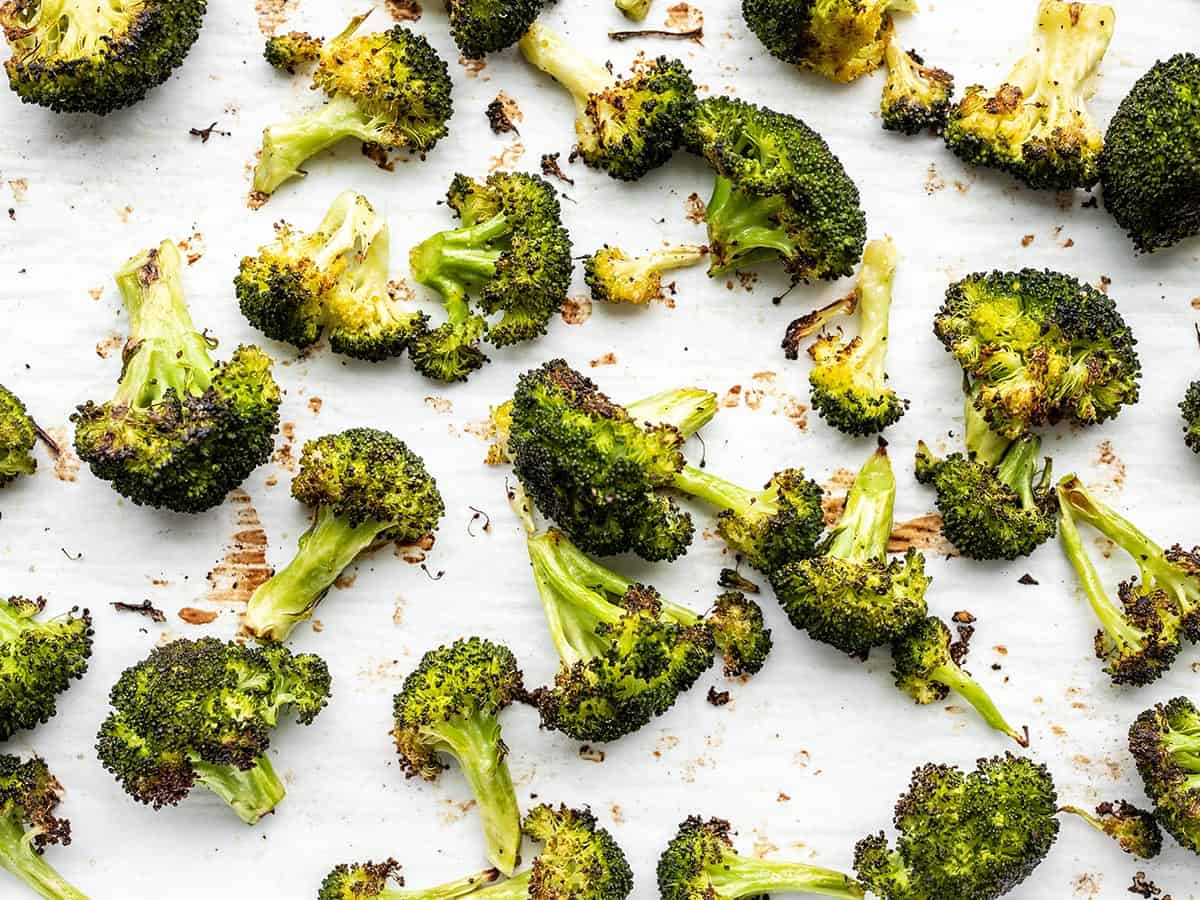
993 502
635 9
1039 347
181 431
849 595
202 711
916 97
969 837
1135 830
28 797
18 434
286 51
38 661
369 881
780 193
625 126
840 39
389 89
334 279
1189 406
1139 639
79 56
1150 168
616 278
366 488
480 27
512 252
1165 743
450 705
849 380
1036 125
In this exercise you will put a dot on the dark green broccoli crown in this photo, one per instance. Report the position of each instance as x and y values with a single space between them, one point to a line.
38 661
683 868
917 654
18 434
964 837
450 352
1190 407
916 97
740 633
76 56
594 470
1039 347
1154 617
1150 167
364 474
480 27
1165 743
29 795
579 860
781 192
286 51
783 524
1135 830
359 881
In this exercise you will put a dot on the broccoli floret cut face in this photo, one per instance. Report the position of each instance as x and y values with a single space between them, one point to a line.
182 431
780 193
80 56
971 837
1135 830
29 795
1036 126
366 488
39 658
625 126
202 711
916 97
450 705
18 434
1165 743
480 27
1039 348
287 51
614 277
388 89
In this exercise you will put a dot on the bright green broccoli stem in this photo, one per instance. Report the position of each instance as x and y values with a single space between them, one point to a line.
479 884
724 495
288 145
688 409
634 9
740 230
875 282
865 525
251 793
18 857
1184 748
290 595
983 444
737 876
452 262
581 76
969 689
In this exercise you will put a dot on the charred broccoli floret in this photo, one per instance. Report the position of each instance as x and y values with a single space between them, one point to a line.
1165 743
38 661
916 97
849 595
511 251
18 434
369 881
780 193
334 279
78 56
1039 347
616 278
29 795
480 27
970 837
181 431
1135 830
701 864
450 705
625 126
366 488
202 711
1036 126
1189 406
286 51
389 89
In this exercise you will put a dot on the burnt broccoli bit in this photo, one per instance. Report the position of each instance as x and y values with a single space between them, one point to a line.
389 89
366 488
1036 125
480 27
450 705
916 97
79 56
1189 406
625 126
287 51
1135 830
202 711
1165 743
973 836
780 193
614 277
182 431
18 434
29 794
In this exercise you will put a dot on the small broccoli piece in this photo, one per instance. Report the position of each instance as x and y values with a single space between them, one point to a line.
202 711
1139 639
1039 347
637 10
970 837
450 705
616 278
916 97
780 193
1036 126
369 881
29 795
849 382
700 862
18 434
1134 829
849 595
181 431
993 503
1165 743
626 126
1190 407
366 488
38 661
389 89
286 51
78 56
480 27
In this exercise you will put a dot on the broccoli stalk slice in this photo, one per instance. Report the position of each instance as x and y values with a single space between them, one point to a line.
865 525
741 231
739 876
18 856
251 793
688 409
581 76
635 9
970 690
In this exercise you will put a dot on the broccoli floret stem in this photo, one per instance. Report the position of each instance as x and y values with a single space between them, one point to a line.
688 409
349 225
721 493
982 442
738 876
288 145
452 261
581 76
865 525
969 689
635 9
18 857
874 308
572 610
513 889
1019 466
251 793
740 226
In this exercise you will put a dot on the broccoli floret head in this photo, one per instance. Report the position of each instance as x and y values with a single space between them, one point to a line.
369 881
77 56
38 661
1039 347
579 859
29 795
740 633
616 278
286 51
780 193
971 837
18 434
1165 743
1036 126
916 97
480 27
203 711
181 431
1135 830
1189 406
637 10
1150 168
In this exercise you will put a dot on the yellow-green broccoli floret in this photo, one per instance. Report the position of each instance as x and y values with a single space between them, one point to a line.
616 278
29 794
18 434
916 97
